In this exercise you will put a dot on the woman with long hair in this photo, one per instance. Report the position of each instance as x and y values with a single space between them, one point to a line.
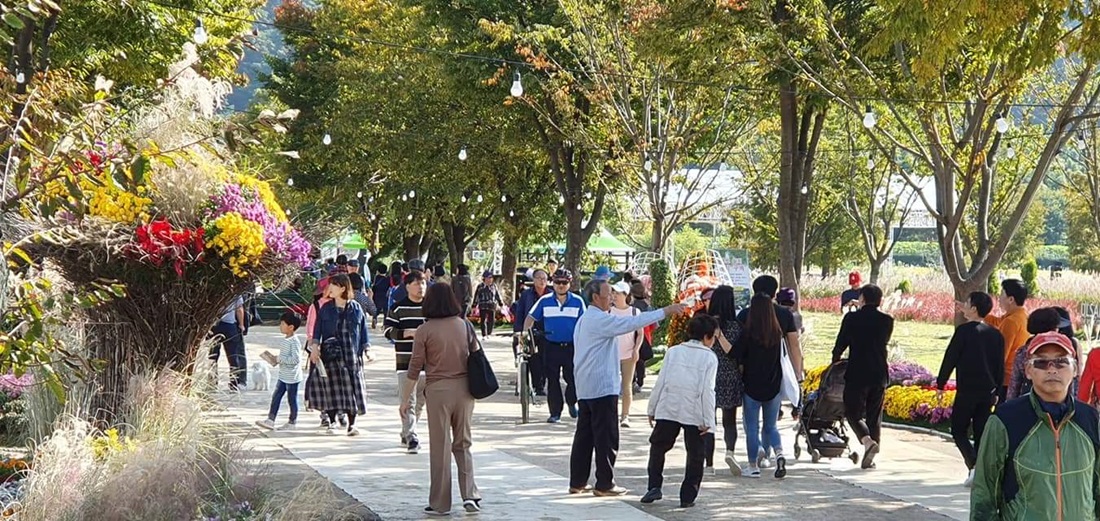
338 340
758 351
441 347
728 387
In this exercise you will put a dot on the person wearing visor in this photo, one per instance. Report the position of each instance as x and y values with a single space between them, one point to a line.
1038 455
558 311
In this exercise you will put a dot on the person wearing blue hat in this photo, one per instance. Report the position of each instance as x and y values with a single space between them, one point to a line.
602 273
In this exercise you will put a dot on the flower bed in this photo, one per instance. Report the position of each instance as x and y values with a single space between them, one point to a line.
910 398
934 308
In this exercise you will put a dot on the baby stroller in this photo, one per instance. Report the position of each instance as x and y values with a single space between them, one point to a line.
822 419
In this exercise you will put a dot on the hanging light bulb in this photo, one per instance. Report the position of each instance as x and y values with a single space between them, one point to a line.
359 195
503 198
648 165
200 35
372 217
462 154
464 198
1011 152
578 206
404 197
869 119
1002 124
480 198
561 199
290 181
472 217
805 190
20 78
870 162
511 213
412 194
410 217
517 86
327 140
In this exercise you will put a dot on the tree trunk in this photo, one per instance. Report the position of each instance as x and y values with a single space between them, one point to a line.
876 268
437 253
800 134
452 234
657 244
508 268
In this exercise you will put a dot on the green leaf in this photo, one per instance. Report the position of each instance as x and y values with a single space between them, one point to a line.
13 20
138 170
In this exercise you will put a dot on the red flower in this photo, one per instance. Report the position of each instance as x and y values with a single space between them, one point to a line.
158 243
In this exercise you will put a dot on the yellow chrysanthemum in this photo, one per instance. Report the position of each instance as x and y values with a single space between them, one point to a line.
239 241
119 206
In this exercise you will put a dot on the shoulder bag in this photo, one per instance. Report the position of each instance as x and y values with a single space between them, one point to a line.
480 377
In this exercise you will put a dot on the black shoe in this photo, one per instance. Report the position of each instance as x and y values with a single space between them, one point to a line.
573 411
637 389
686 504
780 467
651 496
414 446
404 441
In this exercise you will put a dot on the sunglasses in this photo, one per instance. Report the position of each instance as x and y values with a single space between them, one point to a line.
561 282
1043 364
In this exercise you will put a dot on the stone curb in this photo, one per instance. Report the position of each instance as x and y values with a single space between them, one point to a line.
919 430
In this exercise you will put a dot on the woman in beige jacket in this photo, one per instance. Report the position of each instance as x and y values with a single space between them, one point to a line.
441 347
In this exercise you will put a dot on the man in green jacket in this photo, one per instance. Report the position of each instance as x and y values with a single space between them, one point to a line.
1038 456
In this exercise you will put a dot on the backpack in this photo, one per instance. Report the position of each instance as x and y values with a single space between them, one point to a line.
461 287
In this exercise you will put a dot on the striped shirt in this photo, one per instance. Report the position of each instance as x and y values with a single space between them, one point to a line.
290 360
559 320
404 316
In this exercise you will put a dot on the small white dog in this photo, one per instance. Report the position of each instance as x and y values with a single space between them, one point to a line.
260 375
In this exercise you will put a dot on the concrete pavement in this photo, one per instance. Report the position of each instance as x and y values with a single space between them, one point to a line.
521 469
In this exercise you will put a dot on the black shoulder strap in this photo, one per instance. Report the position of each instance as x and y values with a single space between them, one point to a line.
1088 420
1019 418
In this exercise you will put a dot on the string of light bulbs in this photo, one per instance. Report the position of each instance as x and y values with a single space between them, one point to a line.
516 89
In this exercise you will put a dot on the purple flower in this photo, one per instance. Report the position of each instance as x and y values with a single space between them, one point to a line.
14 386
908 373
279 237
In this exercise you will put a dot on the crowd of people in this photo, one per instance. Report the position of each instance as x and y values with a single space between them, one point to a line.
1023 386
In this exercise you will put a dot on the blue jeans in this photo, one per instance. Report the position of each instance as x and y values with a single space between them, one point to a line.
291 392
753 431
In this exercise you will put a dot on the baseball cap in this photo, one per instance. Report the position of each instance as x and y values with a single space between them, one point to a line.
602 272
353 262
1051 338
854 278
621 287
416 264
486 274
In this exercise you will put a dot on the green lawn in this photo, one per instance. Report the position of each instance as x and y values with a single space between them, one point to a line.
913 341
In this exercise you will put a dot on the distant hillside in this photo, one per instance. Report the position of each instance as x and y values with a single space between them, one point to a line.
269 42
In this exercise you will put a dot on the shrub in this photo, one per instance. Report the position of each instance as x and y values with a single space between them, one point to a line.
1029 272
662 286
994 285
905 287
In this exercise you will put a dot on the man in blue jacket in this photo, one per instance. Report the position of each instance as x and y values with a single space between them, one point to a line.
523 308
559 312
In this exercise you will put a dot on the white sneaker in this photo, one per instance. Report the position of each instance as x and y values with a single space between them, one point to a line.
969 479
762 460
352 431
288 426
266 424
330 431
735 468
624 422
754 472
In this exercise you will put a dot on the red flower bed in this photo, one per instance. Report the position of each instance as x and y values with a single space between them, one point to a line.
937 308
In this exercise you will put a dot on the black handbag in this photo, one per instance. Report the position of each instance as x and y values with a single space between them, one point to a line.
333 349
480 377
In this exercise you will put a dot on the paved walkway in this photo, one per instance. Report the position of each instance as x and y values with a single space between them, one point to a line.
521 469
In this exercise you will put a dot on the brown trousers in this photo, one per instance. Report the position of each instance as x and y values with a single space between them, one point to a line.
450 411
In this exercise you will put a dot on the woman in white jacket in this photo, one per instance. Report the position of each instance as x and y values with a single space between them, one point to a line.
683 399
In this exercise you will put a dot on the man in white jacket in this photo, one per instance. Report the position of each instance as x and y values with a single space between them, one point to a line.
683 399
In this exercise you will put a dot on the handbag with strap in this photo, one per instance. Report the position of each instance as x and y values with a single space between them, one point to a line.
480 377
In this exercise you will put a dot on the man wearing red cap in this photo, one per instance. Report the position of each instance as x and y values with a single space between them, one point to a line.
1039 453
849 300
